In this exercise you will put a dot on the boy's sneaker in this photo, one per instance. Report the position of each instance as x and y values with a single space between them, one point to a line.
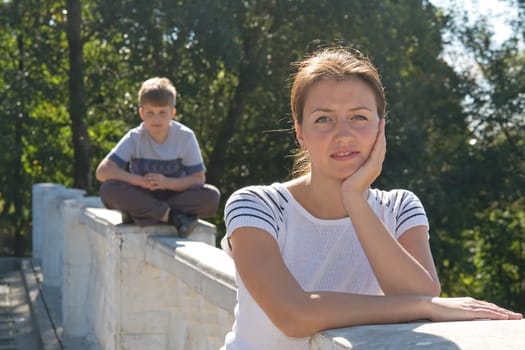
126 219
184 223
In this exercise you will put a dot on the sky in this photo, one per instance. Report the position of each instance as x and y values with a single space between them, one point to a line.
498 13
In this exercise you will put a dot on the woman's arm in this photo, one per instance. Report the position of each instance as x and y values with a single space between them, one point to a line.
299 314
415 242
396 269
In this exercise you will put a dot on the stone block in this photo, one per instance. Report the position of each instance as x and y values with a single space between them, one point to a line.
143 342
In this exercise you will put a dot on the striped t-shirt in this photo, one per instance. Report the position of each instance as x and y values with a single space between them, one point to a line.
321 254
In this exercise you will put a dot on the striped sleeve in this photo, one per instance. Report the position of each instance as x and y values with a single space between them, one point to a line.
409 211
255 206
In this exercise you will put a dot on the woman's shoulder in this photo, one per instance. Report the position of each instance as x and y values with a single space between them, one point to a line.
273 194
256 206
395 198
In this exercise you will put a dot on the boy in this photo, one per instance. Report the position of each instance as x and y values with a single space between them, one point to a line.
156 173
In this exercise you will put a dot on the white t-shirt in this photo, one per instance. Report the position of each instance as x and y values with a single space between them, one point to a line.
178 156
320 254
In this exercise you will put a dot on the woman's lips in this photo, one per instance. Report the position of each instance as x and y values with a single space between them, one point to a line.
344 155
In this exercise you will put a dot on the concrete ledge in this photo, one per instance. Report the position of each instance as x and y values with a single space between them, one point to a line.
468 335
195 264
101 219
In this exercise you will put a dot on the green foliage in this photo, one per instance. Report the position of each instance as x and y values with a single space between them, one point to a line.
456 143
31 87
499 254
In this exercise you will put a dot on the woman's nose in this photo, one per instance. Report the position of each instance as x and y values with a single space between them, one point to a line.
343 130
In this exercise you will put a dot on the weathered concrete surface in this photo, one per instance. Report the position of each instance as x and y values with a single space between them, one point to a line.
17 324
471 335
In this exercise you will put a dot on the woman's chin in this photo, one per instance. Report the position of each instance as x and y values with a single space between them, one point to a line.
346 174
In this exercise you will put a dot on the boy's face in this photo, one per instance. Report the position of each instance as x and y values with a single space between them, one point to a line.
156 118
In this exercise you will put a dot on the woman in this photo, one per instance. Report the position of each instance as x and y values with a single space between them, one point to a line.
324 250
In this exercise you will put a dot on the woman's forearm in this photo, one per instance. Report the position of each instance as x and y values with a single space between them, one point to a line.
327 310
396 270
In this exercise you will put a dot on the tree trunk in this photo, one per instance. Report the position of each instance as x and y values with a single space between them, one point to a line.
218 156
77 104
251 65
19 246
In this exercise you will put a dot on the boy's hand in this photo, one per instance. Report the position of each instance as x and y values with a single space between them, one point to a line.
156 181
363 177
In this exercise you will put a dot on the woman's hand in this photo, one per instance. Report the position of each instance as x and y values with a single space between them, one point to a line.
363 177
458 309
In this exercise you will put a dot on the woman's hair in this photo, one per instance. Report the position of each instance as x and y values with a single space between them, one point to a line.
330 63
158 92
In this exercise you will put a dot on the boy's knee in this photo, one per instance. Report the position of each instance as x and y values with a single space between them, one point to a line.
108 189
214 195
210 202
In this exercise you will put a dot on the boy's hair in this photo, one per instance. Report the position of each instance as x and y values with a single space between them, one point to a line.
158 92
332 63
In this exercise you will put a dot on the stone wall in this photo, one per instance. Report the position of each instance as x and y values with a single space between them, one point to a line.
124 287
130 287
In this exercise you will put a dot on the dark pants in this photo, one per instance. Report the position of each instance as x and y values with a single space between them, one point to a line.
147 207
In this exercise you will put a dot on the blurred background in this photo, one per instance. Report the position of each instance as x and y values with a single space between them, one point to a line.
454 74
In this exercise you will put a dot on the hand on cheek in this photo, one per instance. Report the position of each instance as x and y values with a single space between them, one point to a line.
363 177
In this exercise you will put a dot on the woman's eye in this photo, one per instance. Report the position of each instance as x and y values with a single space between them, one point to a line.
358 117
322 119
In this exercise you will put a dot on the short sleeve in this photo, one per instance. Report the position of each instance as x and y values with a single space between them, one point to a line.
122 152
252 207
192 159
409 212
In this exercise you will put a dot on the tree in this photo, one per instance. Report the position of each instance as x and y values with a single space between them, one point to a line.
230 61
491 172
77 102
31 112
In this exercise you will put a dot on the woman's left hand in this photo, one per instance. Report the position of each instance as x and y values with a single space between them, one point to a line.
363 177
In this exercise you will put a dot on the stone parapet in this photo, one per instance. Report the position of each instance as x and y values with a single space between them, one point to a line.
466 335
125 287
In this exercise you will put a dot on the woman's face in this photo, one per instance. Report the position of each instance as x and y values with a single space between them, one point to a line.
339 128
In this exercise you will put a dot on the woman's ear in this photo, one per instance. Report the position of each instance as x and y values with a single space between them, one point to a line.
299 134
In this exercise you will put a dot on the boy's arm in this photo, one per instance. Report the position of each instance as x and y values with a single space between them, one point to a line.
161 182
109 170
185 182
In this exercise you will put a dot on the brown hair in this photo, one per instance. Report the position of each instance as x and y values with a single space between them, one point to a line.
158 92
330 63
